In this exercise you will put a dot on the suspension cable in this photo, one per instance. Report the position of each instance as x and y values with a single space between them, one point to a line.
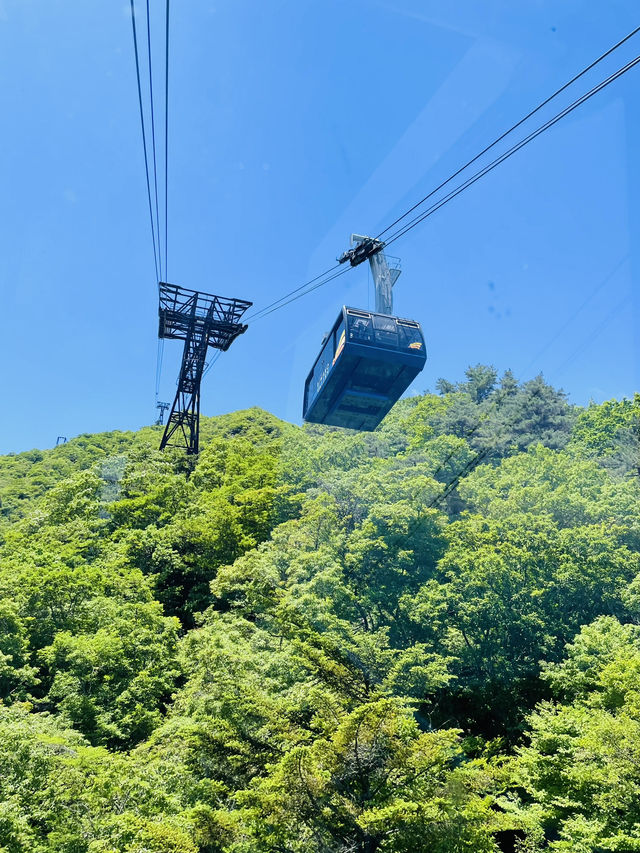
153 135
265 310
155 222
302 290
159 359
260 315
602 283
144 141
160 355
511 129
492 165
166 142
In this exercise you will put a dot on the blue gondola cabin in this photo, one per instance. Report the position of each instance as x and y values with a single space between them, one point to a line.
366 363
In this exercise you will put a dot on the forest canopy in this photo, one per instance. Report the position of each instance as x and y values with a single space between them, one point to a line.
425 638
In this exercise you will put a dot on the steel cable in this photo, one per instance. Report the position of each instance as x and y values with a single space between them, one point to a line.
144 141
511 129
153 136
511 151
166 142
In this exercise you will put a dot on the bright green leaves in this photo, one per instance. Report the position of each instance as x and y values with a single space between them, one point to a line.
508 594
389 556
77 497
158 505
182 557
112 684
188 530
582 768
57 795
571 491
376 783
17 677
610 432
339 624
601 664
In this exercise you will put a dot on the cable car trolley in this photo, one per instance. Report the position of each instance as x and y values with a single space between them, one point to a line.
366 363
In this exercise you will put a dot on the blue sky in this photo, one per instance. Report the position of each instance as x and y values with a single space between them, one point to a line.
293 124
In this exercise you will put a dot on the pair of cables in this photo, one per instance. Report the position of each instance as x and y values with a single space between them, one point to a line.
159 234
159 231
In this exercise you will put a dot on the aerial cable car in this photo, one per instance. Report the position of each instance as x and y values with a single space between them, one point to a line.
368 359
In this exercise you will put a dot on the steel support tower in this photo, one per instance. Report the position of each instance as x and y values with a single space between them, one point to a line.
201 320
162 408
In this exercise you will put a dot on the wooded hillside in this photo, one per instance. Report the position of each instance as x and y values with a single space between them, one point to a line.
425 638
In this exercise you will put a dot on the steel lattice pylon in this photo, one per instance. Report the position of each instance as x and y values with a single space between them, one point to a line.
201 320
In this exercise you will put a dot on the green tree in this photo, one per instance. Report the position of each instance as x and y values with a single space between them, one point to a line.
376 783
580 772
113 684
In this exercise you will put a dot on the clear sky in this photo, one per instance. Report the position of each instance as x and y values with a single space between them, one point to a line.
292 124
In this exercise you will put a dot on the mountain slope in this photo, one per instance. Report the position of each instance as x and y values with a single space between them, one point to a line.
316 640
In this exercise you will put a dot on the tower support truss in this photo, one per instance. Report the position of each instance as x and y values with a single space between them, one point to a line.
201 320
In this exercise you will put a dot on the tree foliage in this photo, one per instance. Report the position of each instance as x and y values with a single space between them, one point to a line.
422 638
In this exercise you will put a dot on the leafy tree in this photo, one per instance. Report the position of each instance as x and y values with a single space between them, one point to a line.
610 432
579 774
571 491
480 384
344 600
16 675
376 783
59 795
511 593
113 683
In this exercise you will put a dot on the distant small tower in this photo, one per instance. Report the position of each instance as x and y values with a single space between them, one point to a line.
201 320
61 439
162 408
